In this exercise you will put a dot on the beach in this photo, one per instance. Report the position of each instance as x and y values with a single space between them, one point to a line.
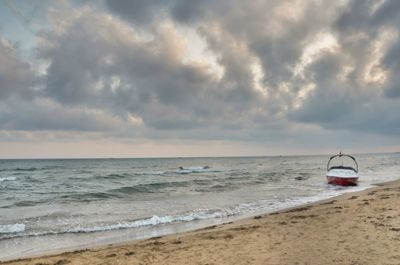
355 228
200 132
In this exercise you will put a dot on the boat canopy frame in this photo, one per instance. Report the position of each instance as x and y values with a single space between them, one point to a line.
342 167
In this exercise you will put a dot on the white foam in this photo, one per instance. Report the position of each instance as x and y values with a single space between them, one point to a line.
7 179
244 209
201 169
13 228
153 221
153 173
238 211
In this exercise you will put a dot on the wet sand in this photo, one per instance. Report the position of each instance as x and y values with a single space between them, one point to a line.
356 228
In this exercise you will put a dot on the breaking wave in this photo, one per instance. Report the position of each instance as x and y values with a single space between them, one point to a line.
153 221
7 179
16 230
201 169
13 228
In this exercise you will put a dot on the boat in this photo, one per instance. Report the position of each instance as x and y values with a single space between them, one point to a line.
342 175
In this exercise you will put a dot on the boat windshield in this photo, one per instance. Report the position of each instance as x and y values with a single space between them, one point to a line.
342 161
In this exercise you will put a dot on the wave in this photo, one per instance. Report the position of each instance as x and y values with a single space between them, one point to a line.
14 231
26 169
130 175
153 221
13 228
265 206
88 196
153 173
122 192
150 188
198 169
7 179
20 170
113 176
243 209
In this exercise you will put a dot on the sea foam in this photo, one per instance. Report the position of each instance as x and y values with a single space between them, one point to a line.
153 221
7 179
13 228
200 169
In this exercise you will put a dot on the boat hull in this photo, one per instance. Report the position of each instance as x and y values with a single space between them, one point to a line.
342 181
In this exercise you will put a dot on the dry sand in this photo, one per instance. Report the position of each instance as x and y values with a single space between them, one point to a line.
357 228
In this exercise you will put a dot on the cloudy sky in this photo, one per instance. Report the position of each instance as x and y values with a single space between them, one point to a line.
140 78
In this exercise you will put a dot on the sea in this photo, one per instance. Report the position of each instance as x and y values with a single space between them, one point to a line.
51 205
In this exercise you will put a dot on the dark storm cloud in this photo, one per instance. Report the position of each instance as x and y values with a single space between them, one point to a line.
139 11
16 77
144 11
332 100
150 78
391 61
368 15
43 114
371 18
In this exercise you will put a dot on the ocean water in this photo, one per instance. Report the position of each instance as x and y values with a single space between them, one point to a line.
58 204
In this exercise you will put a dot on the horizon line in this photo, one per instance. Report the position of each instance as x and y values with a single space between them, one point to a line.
180 157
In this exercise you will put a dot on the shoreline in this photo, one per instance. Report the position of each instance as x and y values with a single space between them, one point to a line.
272 229
61 243
21 247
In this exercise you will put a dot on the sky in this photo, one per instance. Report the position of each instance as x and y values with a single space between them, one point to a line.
176 78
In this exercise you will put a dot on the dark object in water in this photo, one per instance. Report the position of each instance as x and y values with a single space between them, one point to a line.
193 168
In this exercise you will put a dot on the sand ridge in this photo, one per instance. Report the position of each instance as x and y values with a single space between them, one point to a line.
357 228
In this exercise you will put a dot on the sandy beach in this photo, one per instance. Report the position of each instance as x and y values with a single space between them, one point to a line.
356 228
